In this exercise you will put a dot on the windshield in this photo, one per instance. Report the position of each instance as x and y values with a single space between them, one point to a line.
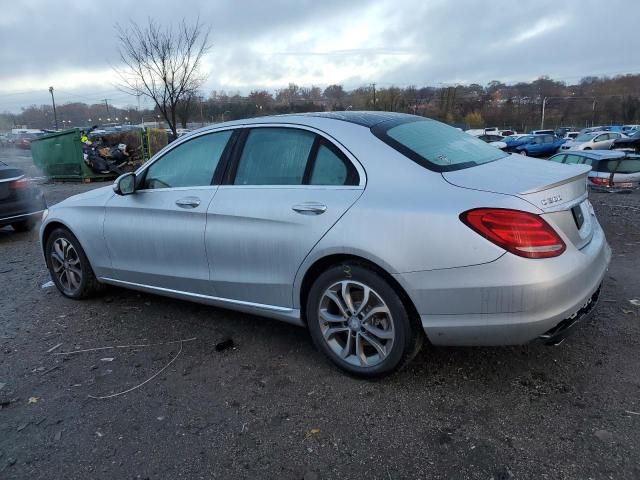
435 145
585 137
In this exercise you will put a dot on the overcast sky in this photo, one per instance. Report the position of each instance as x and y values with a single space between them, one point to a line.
269 43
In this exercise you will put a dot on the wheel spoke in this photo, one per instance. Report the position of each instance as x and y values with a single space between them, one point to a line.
375 344
330 317
360 351
378 332
74 279
346 351
333 296
330 332
59 249
346 296
64 279
77 271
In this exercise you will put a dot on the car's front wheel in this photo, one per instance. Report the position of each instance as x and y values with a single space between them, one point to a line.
69 266
523 152
357 319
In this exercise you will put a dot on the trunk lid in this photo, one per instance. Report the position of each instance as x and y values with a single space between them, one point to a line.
558 190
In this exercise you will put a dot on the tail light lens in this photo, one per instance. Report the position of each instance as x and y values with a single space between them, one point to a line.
19 184
603 182
521 233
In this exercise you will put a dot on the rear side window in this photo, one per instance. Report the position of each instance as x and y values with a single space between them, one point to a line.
434 145
626 166
274 156
331 168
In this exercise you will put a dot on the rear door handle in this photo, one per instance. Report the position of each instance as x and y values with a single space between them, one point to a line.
188 202
310 208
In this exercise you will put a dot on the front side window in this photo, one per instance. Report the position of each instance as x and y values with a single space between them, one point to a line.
573 159
557 158
191 164
274 156
434 145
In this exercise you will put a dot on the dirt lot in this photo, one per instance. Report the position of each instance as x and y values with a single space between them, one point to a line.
271 407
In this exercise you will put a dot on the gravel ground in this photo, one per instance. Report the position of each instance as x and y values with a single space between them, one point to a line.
272 407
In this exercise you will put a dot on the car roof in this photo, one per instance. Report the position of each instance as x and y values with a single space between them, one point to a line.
363 118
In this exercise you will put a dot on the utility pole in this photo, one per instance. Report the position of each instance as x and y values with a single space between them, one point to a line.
374 95
106 104
53 100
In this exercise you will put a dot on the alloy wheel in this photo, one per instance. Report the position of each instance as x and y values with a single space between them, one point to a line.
65 263
356 323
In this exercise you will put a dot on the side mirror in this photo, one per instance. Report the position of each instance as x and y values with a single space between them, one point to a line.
125 184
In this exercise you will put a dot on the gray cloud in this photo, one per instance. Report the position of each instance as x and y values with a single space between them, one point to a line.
269 43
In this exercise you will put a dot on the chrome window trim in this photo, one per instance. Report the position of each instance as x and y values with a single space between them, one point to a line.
356 163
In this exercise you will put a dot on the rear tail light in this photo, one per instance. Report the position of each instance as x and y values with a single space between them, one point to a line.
19 184
521 233
603 182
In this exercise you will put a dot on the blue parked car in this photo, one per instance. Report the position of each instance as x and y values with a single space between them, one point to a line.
538 145
514 141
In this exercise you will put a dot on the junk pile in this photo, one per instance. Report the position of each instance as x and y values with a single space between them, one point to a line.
118 152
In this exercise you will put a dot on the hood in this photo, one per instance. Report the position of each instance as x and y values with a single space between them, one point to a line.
550 186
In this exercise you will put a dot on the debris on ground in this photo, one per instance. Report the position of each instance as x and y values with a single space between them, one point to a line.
54 348
224 344
310 433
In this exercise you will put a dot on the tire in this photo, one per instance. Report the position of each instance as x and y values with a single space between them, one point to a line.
69 266
523 152
23 225
587 148
335 329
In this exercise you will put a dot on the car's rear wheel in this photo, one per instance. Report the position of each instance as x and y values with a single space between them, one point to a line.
23 225
523 152
357 319
69 266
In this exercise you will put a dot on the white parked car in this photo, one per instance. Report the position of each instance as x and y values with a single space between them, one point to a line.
592 141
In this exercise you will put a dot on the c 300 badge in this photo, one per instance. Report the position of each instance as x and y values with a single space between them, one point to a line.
551 200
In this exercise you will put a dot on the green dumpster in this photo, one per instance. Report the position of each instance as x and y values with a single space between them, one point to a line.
59 156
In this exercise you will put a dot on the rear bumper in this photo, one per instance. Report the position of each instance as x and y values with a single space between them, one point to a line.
511 300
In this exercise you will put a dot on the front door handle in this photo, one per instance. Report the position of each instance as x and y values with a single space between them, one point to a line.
310 208
188 202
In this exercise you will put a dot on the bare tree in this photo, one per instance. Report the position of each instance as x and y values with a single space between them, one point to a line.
163 63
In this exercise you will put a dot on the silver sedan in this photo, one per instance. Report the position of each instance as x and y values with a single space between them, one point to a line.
374 230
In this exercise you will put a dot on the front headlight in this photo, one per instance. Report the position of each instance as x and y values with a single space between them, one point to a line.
45 214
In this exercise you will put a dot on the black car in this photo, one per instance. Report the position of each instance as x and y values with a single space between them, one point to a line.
21 204
632 143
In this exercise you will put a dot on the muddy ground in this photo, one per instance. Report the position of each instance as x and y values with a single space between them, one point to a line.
272 407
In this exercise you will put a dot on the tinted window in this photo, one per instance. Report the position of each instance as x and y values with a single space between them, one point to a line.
538 140
331 169
573 159
601 138
435 145
557 158
190 164
548 139
274 156
626 166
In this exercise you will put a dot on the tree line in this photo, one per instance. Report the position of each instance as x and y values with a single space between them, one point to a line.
592 101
